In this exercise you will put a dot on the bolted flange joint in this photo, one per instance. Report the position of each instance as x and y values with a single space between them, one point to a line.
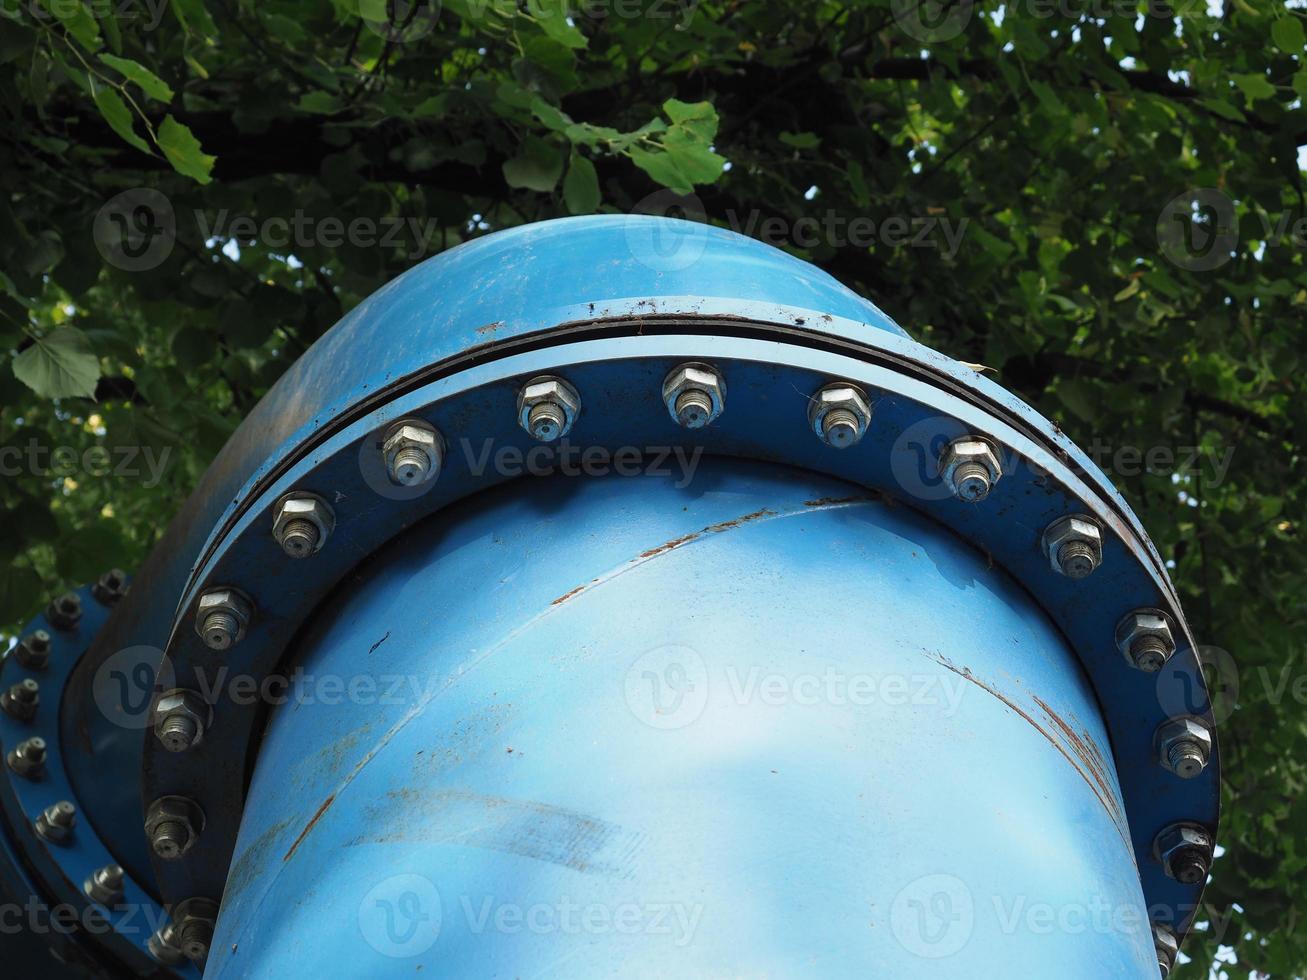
173 825
222 616
34 651
194 921
547 408
302 524
839 414
970 467
1185 852
1074 545
105 885
180 719
1184 746
56 822
65 612
27 758
1144 638
414 452
21 700
695 395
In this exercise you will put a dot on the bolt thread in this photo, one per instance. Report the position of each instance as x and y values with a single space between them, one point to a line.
1186 758
31 750
25 692
299 537
194 937
971 481
178 732
840 427
163 946
410 466
693 408
1076 559
220 629
110 877
545 421
1190 866
170 838
1149 653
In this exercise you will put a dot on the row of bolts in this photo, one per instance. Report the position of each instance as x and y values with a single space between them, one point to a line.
547 406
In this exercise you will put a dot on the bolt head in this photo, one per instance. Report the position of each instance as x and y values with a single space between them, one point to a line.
1184 731
34 652
223 600
416 435
308 507
548 390
837 396
180 703
1074 529
1140 624
1167 946
969 485
1185 851
175 810
695 376
110 587
65 612
194 921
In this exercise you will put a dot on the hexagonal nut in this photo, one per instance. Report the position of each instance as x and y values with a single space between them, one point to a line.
224 600
304 506
969 449
1182 841
179 811
1176 732
695 376
840 395
1142 624
34 651
1167 946
416 435
64 612
548 389
1073 529
175 703
110 587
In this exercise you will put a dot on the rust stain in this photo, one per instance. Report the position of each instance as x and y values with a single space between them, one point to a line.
730 525
326 804
489 327
668 545
836 501
1085 750
1094 779
567 595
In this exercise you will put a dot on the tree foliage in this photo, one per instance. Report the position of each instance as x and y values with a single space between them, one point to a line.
184 178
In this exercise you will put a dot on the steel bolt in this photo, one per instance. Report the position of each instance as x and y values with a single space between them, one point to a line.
414 452
65 612
1144 638
839 414
110 587
695 395
1185 851
1167 946
303 523
27 758
1184 746
194 920
105 885
172 825
1074 545
180 719
970 466
22 700
34 652
221 617
547 408
56 822
163 946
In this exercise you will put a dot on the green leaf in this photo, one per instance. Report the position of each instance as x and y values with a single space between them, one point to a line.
552 16
150 83
1254 86
118 116
662 168
77 20
1287 33
537 166
319 102
699 118
692 158
20 592
183 151
194 17
801 141
1223 109
581 186
59 365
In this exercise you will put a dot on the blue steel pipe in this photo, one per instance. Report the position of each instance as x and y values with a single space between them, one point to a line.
662 701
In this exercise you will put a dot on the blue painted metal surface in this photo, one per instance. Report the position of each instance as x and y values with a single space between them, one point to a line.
764 724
